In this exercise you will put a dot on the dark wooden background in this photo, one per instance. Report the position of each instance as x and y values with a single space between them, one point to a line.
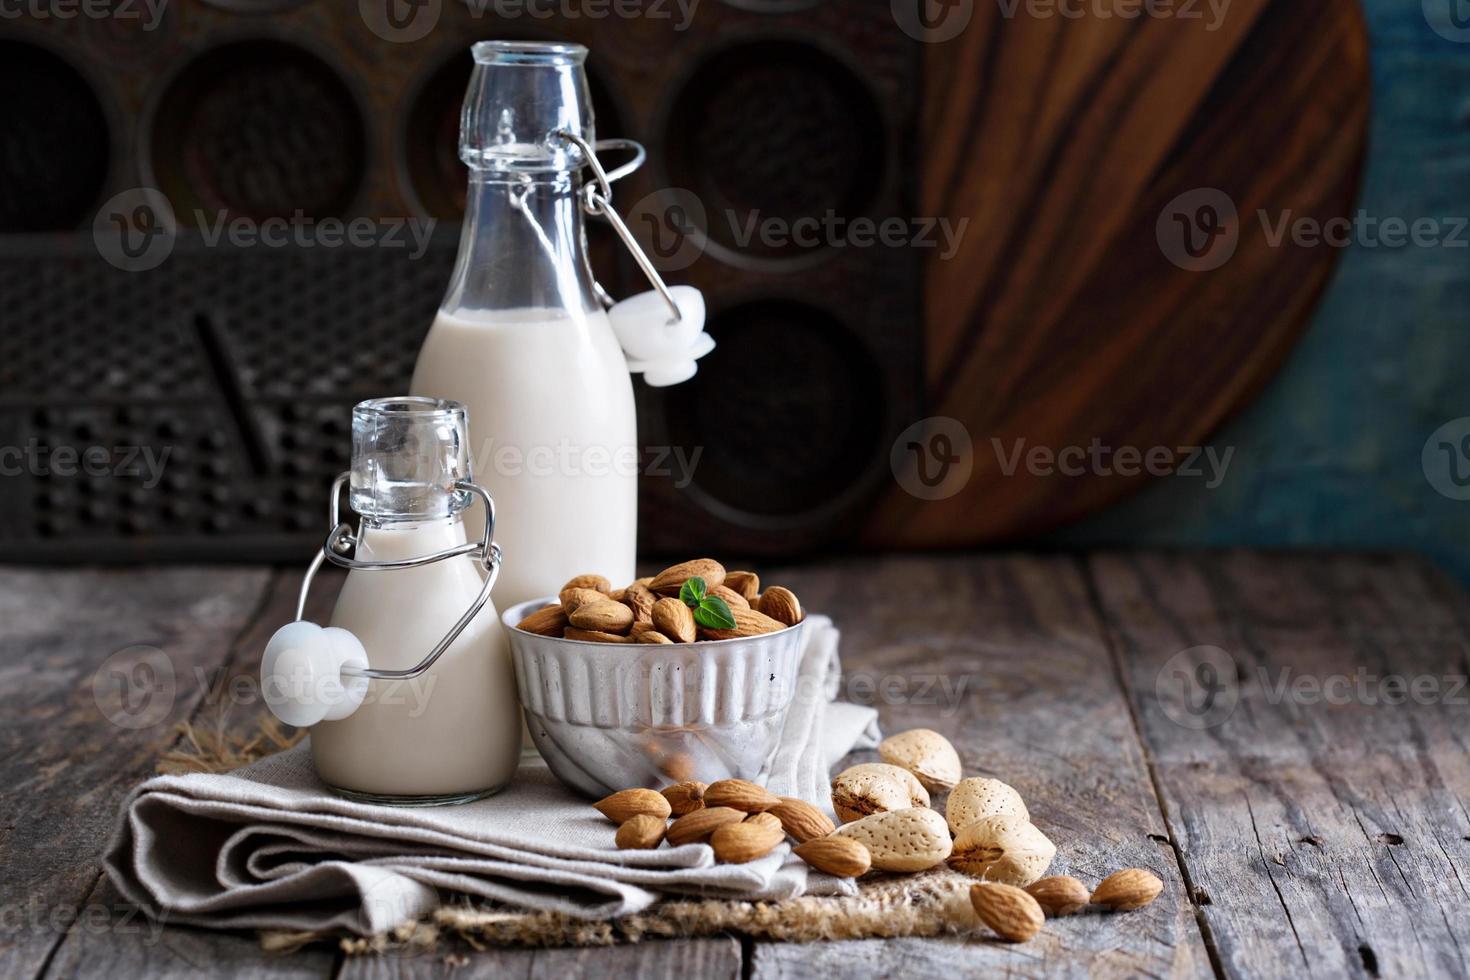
1061 319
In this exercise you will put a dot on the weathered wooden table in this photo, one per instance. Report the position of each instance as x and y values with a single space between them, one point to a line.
1302 791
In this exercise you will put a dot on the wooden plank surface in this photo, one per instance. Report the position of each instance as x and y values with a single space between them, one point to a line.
1327 827
120 944
698 959
96 668
1322 839
1006 658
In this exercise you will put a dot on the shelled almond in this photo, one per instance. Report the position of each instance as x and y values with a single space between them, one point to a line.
845 857
740 794
623 806
684 797
1131 888
737 843
801 820
697 825
1059 895
693 601
1014 915
643 832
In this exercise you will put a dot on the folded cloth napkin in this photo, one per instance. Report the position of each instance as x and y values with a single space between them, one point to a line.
269 846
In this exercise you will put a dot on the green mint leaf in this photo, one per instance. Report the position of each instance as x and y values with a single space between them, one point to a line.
692 592
714 613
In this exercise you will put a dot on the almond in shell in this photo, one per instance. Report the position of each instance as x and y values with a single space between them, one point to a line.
977 797
1131 888
549 621
918 795
781 605
672 579
624 805
740 794
859 794
1009 850
844 857
902 840
737 843
675 620
697 825
1014 915
801 820
925 753
641 833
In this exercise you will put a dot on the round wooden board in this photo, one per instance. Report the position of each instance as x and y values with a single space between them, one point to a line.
1060 319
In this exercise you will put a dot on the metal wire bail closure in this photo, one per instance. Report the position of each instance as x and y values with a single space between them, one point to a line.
341 541
597 201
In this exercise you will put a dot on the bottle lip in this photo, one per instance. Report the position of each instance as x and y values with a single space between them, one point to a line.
417 406
528 53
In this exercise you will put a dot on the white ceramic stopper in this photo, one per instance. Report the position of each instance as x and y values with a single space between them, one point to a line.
657 346
301 674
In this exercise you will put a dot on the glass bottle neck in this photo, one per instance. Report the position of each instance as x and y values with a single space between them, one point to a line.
522 248
399 540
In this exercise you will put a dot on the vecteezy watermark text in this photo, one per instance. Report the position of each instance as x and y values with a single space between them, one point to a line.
302 231
150 12
679 12
1097 459
1201 687
832 230
934 458
406 21
1200 230
943 692
567 458
674 228
35 458
137 229
94 918
1210 12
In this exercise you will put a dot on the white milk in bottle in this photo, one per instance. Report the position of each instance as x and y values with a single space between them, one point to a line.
454 733
521 338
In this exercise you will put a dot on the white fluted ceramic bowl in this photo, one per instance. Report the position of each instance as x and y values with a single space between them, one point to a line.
609 716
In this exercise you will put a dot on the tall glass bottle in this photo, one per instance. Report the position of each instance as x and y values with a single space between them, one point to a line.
521 338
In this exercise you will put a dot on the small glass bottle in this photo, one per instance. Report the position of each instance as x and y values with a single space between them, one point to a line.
453 734
521 337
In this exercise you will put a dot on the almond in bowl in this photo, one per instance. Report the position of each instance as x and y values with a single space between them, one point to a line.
686 675
691 602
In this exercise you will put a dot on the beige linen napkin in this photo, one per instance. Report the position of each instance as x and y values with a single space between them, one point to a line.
269 846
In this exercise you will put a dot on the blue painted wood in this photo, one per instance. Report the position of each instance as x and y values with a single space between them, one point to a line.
1330 455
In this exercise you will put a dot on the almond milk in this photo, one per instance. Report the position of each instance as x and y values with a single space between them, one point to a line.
554 440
